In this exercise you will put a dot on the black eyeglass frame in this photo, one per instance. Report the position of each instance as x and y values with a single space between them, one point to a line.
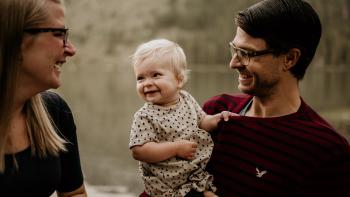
243 53
64 31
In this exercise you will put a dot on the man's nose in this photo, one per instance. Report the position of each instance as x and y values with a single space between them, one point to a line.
235 63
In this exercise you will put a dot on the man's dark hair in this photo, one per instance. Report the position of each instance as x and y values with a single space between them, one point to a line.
284 24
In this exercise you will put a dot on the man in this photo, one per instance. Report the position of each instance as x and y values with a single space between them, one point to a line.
278 146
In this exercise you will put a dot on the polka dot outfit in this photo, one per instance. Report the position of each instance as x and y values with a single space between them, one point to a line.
174 176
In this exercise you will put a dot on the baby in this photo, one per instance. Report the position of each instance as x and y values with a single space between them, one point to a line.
169 133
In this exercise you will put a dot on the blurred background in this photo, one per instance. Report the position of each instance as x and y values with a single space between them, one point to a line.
99 85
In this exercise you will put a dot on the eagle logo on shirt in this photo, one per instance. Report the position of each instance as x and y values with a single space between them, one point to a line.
260 174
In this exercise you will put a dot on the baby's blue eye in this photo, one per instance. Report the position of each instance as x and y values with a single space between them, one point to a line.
139 78
156 74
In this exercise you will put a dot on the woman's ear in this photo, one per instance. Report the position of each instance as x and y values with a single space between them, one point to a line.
291 58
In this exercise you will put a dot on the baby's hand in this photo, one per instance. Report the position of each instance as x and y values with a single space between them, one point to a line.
186 149
226 115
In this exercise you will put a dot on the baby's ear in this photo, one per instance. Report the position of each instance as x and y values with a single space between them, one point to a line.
180 80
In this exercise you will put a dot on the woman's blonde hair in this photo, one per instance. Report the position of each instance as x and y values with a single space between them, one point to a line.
15 16
163 51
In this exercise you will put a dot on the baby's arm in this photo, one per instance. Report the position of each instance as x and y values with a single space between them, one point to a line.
210 122
152 152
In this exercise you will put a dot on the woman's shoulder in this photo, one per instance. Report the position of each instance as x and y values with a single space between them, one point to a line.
54 101
60 113
56 106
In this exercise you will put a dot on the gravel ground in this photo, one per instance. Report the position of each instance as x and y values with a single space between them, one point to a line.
106 191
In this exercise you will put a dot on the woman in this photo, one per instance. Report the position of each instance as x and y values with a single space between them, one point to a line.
38 146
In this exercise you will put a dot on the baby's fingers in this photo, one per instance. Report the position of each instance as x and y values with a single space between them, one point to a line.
225 115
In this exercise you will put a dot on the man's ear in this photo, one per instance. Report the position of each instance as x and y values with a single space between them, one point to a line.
291 58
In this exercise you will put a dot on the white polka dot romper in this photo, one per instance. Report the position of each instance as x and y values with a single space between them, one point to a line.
174 176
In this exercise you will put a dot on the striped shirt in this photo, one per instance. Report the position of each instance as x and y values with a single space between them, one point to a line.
299 154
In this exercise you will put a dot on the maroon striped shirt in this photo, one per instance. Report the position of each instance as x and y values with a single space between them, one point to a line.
294 155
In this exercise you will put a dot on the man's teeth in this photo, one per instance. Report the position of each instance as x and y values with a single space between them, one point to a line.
58 66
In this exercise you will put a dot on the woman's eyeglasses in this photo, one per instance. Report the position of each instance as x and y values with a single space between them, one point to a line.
59 32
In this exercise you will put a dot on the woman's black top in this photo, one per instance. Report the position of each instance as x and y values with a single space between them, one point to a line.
40 177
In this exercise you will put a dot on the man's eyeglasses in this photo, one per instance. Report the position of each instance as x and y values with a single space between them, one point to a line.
58 32
244 56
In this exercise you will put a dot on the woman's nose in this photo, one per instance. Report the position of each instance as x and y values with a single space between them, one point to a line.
70 49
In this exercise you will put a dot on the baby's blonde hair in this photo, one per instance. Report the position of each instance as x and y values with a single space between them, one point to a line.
163 49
